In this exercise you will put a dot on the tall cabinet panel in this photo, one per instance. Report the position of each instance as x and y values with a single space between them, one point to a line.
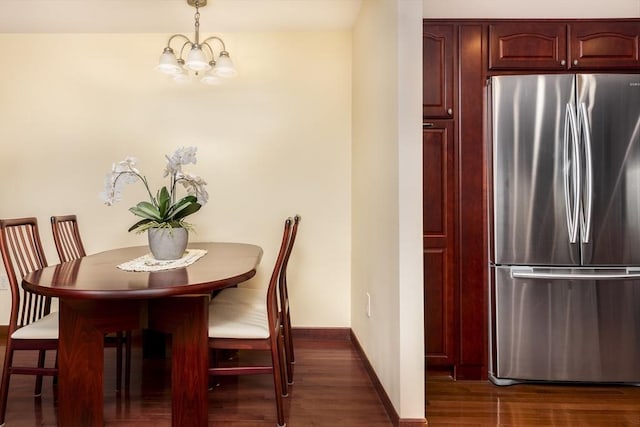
439 195
438 239
471 220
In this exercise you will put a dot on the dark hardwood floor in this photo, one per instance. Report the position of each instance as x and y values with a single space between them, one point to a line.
331 389
480 403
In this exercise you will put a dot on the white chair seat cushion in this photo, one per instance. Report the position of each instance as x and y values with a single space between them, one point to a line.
45 328
251 296
237 320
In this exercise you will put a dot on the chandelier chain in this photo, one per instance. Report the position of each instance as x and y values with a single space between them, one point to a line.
197 19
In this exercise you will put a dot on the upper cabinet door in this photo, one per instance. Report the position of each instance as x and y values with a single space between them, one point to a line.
437 75
604 45
528 46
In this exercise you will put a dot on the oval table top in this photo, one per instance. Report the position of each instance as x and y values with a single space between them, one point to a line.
97 276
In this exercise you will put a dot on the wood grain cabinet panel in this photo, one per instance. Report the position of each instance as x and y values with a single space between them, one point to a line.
604 45
437 74
527 46
589 45
439 230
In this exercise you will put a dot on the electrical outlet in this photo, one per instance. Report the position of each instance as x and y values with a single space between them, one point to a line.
4 281
368 308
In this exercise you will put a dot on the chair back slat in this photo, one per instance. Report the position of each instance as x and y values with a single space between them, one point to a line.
272 291
282 280
66 236
285 315
22 253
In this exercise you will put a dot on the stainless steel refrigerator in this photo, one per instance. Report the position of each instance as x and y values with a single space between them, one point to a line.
565 228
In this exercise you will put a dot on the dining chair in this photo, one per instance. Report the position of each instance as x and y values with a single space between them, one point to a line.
245 326
66 236
32 325
256 296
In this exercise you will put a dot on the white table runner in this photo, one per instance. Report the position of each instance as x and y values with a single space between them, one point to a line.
149 263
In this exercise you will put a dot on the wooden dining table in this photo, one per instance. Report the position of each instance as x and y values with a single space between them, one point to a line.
96 297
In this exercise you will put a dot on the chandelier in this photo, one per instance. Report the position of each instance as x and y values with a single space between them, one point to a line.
202 61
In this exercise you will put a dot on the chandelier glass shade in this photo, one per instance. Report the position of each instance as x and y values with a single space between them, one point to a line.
207 60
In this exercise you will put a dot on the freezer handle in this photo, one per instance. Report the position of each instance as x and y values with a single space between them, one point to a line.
532 273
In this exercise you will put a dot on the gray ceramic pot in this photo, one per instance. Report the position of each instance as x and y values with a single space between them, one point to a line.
168 243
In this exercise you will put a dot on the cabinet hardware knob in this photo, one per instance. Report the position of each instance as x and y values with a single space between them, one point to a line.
563 62
450 111
575 62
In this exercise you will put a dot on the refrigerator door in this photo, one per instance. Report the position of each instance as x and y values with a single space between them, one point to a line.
534 170
565 329
611 105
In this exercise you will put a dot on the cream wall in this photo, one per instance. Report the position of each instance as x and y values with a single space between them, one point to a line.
387 198
274 142
375 191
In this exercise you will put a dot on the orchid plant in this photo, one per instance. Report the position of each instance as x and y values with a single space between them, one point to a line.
162 210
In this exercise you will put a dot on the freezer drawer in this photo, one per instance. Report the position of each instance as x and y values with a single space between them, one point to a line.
564 329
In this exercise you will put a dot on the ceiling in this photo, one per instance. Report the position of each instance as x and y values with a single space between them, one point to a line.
152 16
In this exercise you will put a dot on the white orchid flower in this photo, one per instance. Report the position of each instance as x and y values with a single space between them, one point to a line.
125 172
194 185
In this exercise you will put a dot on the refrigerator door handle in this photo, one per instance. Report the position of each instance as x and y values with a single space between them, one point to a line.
571 182
547 273
585 218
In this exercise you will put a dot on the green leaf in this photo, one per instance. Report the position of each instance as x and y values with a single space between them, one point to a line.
146 210
183 207
187 210
164 202
139 224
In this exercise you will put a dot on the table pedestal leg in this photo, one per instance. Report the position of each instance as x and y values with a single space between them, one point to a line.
80 362
81 356
186 318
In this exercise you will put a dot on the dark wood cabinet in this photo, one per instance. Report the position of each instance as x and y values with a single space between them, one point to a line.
439 191
590 45
527 46
604 45
439 194
453 194
437 76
